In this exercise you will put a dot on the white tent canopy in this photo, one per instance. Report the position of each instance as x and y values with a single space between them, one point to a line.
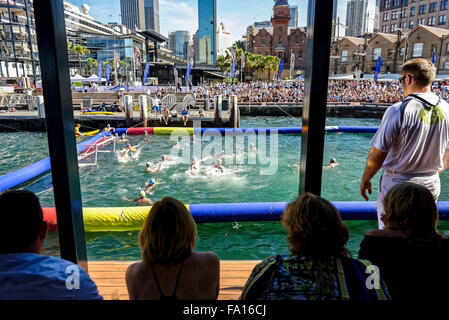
77 78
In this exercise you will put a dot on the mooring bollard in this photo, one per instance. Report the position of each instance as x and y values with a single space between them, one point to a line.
218 105
40 107
129 112
234 112
143 108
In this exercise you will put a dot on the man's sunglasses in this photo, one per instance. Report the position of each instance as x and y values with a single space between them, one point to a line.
402 78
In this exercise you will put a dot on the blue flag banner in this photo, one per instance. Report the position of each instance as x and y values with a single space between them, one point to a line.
146 73
434 58
108 72
233 69
281 67
100 70
378 66
188 73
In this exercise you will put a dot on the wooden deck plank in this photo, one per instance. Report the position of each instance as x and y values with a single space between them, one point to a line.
110 278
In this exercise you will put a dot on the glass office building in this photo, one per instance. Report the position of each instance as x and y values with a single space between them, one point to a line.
151 8
179 42
207 30
293 16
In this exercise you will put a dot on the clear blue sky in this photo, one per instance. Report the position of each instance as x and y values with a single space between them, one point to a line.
235 14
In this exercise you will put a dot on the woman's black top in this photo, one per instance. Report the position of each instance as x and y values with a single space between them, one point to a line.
411 271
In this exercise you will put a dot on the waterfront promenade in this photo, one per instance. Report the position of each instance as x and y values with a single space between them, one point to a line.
110 278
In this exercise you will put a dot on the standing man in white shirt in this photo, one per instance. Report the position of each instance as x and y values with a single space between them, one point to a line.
412 142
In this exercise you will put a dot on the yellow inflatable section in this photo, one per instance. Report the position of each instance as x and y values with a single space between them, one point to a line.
115 219
170 130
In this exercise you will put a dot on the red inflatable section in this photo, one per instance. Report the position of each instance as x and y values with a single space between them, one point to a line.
50 218
140 131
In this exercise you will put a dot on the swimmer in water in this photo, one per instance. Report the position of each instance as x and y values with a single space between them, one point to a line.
218 166
143 200
253 148
332 163
150 185
195 166
124 152
122 138
222 156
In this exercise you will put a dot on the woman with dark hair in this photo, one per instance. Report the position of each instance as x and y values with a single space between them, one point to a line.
412 256
318 266
170 269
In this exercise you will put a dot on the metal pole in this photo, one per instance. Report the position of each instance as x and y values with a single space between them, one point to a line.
439 56
52 44
319 27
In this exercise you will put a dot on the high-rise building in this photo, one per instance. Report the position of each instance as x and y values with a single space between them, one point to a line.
293 17
151 8
356 17
133 14
334 20
179 43
207 31
224 40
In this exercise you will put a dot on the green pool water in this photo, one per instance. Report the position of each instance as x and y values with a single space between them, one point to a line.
114 182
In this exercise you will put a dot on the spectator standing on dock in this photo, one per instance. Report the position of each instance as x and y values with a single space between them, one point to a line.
170 268
412 142
24 273
318 266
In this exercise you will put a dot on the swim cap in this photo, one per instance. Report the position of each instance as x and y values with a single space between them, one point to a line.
128 145
163 157
108 126
142 193
222 151
193 159
148 164
151 181
333 160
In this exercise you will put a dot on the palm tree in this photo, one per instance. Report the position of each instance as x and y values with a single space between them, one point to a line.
91 63
123 67
271 64
80 51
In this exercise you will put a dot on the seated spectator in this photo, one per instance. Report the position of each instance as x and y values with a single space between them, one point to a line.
185 115
318 266
411 254
24 273
170 269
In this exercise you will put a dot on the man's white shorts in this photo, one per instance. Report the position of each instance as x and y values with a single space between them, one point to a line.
388 180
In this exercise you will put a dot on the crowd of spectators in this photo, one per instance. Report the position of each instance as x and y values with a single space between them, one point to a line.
406 260
293 91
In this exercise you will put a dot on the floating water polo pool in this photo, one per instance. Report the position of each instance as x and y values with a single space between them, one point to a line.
121 218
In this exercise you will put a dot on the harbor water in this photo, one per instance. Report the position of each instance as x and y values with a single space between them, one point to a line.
115 182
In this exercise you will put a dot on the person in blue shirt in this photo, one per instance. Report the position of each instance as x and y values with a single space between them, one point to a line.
185 115
24 273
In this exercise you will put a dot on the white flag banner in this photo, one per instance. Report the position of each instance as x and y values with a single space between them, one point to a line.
292 61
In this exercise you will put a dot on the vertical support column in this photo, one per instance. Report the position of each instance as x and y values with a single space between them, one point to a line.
52 44
143 108
319 25
129 109
217 109
29 99
234 113
40 107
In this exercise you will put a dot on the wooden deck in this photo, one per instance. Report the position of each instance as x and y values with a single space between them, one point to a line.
110 278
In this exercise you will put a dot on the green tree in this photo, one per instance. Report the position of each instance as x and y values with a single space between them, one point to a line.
239 45
80 51
91 63
271 64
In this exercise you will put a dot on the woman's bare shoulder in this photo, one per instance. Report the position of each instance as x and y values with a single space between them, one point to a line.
205 257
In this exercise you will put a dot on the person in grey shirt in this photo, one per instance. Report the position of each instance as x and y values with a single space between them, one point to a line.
412 142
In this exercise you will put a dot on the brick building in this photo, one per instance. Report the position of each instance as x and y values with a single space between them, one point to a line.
423 42
279 40
408 14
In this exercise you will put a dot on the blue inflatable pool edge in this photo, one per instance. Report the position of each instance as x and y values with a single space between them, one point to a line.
21 176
